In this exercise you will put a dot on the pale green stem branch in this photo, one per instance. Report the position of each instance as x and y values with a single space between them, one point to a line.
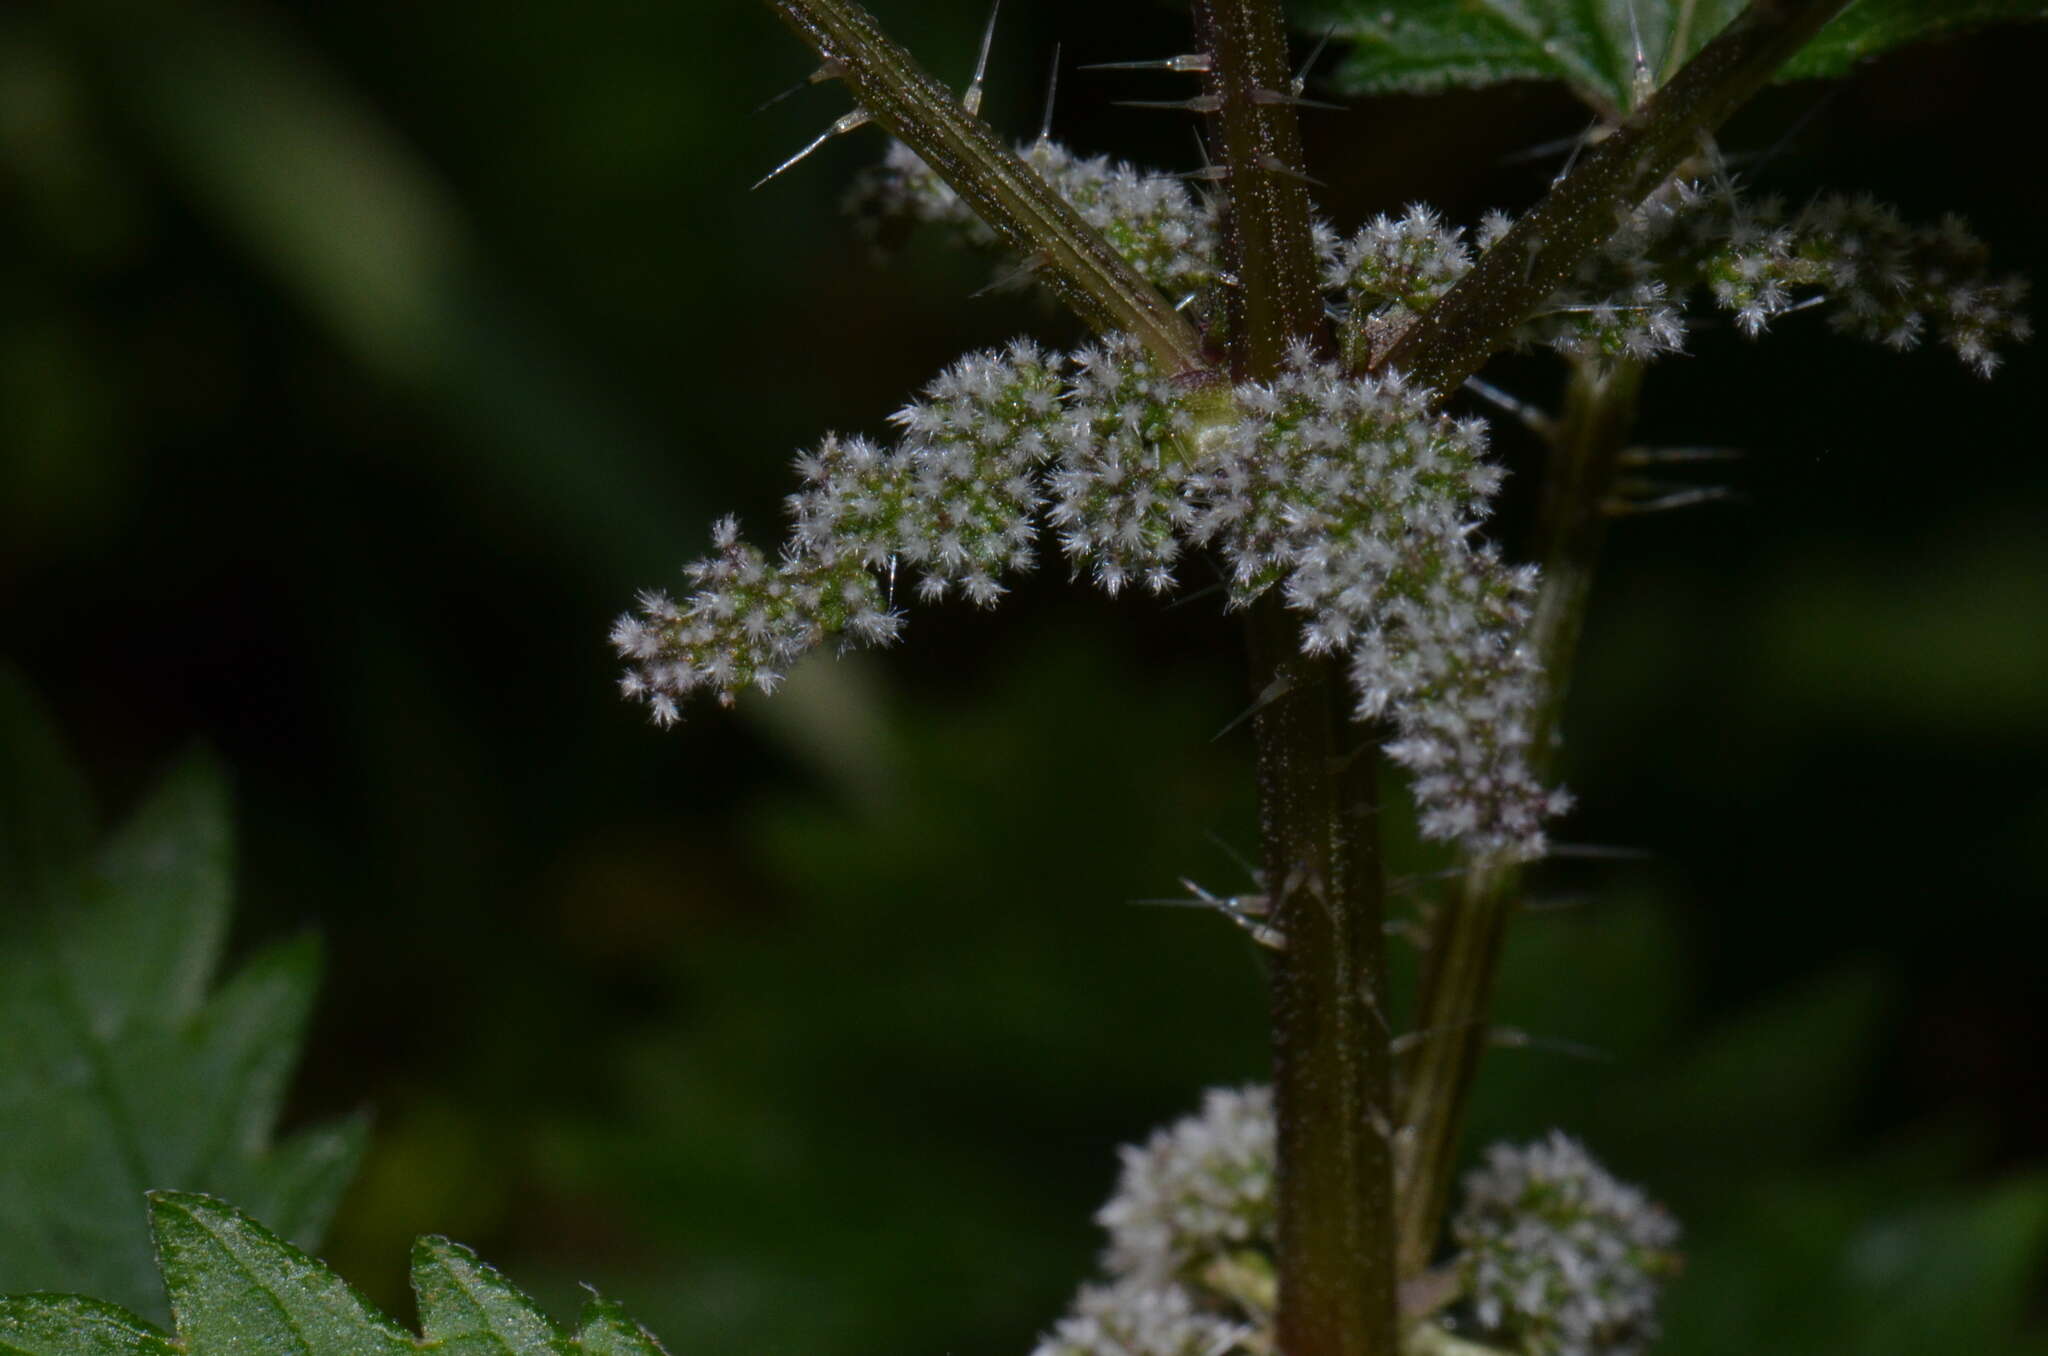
1540 254
1465 936
1318 774
1066 254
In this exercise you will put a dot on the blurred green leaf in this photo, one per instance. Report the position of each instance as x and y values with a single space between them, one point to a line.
118 1074
71 1325
237 1287
1422 45
1953 1275
1874 26
1863 1259
301 173
1771 1085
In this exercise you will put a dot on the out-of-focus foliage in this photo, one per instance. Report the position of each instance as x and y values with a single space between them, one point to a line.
235 1286
817 1028
1593 45
122 1069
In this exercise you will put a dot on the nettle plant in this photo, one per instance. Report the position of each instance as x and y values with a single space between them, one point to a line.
1266 397
1270 399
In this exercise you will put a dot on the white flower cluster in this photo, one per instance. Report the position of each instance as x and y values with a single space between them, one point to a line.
1119 497
1389 273
1197 1195
1348 491
1880 278
1364 502
1558 1254
1163 229
955 499
1359 500
1877 277
1132 1320
1198 1190
1885 281
745 622
1558 1257
1622 302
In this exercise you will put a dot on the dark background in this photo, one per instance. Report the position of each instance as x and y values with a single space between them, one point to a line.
358 362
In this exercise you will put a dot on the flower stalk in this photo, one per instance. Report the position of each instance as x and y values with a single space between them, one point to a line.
1540 254
1466 934
1352 1224
1317 774
1074 261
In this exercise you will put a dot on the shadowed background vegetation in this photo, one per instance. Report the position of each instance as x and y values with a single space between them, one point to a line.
358 362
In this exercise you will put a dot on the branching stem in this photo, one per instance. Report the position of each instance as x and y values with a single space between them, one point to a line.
1318 777
1067 255
1540 254
1338 1255
1447 345
1454 1005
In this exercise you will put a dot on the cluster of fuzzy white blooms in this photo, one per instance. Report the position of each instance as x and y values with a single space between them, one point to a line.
1348 491
1345 489
1390 272
1558 1258
954 499
745 622
1365 504
1199 1190
1397 267
1136 1320
1120 493
1876 276
1191 1203
1165 231
1559 1255
1884 280
957 496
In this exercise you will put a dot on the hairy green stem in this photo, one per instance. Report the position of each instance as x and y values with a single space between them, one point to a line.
1454 1004
1317 774
1066 254
1275 299
1338 1254
1331 1069
1539 255
1448 344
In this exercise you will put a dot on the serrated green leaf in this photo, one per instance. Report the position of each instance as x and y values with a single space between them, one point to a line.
467 1306
1873 26
118 1074
1417 46
71 1325
235 1286
605 1330
1414 46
